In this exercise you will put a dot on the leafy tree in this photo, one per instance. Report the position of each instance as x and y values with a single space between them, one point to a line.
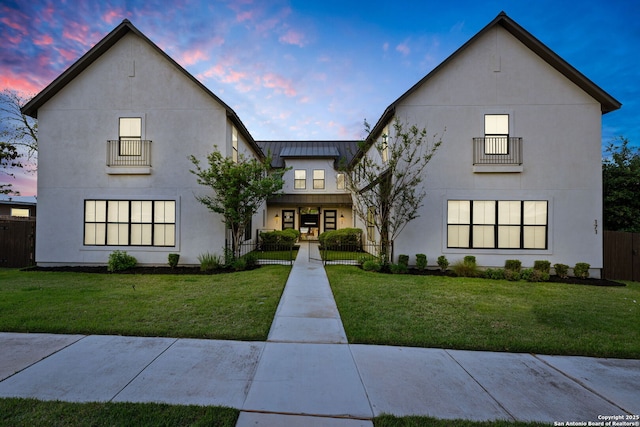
385 183
621 185
239 189
18 135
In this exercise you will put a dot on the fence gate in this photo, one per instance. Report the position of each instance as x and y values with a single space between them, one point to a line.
622 255
17 243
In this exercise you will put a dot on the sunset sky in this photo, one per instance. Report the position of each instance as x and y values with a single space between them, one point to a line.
317 69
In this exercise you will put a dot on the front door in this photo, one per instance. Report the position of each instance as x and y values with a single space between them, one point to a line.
330 218
288 219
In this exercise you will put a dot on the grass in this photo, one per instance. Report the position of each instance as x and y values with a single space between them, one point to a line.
493 315
277 255
331 255
238 306
31 412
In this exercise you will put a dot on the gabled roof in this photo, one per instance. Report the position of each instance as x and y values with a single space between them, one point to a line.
340 151
31 108
607 102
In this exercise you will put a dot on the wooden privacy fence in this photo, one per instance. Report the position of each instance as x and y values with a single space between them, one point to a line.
17 243
622 255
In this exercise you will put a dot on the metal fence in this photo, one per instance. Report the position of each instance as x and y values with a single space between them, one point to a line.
265 254
351 254
497 151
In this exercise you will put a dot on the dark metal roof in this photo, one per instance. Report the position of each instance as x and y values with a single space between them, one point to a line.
607 102
341 151
31 108
312 200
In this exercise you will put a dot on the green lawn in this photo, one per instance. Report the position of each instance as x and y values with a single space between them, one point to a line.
31 412
238 306
480 314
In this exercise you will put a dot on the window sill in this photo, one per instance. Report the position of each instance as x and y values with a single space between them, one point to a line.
497 168
128 170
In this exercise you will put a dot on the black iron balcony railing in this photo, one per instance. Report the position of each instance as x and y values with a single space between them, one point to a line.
497 150
129 152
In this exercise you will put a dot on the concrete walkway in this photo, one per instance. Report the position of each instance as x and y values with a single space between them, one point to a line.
307 375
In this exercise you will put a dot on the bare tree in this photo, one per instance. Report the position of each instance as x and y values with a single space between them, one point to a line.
18 136
385 183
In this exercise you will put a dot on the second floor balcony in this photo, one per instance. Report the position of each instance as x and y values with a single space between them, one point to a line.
497 153
129 156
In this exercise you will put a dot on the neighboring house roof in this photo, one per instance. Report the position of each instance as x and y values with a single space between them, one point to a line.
312 200
340 151
18 200
31 108
607 102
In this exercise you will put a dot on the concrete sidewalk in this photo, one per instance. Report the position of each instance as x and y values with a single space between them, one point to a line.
307 375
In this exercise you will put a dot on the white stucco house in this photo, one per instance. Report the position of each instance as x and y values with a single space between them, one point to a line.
517 177
115 132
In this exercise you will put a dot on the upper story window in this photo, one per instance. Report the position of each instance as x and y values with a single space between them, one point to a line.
496 134
300 179
340 181
384 151
130 136
234 144
318 179
21 212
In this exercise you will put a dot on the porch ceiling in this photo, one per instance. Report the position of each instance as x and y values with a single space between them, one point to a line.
342 200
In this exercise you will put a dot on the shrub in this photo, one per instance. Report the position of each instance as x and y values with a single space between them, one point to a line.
562 270
421 262
581 270
494 274
533 275
240 264
335 239
173 260
513 264
251 259
511 275
404 260
371 265
465 269
443 263
398 268
210 262
470 260
269 239
543 266
120 261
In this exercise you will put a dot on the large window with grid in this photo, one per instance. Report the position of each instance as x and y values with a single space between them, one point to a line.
129 223
502 224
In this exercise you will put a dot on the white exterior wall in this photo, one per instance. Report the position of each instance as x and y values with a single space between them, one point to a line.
130 80
561 130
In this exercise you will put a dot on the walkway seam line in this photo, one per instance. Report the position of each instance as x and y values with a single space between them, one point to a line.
144 369
581 384
481 386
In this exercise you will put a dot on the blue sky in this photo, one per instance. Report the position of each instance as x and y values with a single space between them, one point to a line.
317 69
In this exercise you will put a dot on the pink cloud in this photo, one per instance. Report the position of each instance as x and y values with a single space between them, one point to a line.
78 33
111 16
246 15
12 24
8 80
403 48
279 83
193 56
68 55
293 37
43 40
